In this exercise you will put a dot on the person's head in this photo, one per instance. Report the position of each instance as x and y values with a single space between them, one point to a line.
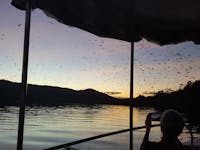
172 124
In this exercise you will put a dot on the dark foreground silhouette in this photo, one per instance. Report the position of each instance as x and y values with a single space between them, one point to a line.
172 124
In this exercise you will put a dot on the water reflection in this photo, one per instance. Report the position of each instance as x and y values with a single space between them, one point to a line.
50 126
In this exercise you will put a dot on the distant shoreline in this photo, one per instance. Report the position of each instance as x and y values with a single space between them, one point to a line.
185 100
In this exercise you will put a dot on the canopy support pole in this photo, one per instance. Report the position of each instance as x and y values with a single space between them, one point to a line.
131 94
24 76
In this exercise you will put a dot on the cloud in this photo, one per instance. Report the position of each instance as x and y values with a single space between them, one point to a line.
148 93
112 93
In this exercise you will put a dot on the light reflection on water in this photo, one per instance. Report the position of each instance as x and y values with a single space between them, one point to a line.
50 126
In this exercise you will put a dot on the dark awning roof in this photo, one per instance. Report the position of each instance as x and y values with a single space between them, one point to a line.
161 21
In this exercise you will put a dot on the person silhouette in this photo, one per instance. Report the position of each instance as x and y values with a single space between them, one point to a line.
171 124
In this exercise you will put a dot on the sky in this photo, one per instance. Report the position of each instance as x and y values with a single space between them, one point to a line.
68 57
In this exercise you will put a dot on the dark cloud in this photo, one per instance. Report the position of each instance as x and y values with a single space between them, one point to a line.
148 93
112 93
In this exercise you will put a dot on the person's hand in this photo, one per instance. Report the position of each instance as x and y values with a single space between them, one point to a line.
148 122
148 128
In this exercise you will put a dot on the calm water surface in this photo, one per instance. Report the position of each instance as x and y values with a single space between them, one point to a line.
51 126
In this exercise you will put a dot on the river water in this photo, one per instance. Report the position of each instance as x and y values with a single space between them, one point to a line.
51 126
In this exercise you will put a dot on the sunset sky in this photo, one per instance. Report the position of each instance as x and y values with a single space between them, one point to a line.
68 57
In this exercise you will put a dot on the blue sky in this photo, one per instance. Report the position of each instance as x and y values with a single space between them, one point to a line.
68 57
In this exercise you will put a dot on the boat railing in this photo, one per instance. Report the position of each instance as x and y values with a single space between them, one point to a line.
68 146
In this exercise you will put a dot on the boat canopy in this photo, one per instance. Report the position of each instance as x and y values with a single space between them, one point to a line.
160 21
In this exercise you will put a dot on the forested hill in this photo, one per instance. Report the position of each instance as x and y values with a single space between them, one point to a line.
186 99
47 95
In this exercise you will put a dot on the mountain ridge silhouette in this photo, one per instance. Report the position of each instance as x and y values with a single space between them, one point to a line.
50 95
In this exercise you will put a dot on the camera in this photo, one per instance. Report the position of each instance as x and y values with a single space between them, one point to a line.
155 116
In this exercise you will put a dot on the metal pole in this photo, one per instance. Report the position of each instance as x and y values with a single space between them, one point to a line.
24 76
133 36
131 95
